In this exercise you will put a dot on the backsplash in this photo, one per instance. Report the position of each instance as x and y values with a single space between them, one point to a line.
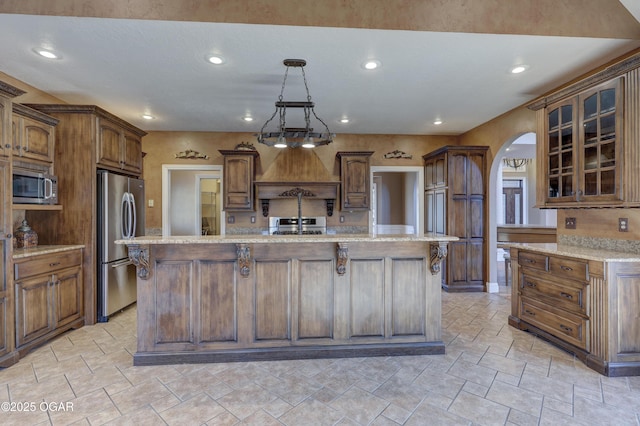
626 246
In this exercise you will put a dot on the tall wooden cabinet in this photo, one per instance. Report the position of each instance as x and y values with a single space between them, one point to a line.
8 355
86 136
456 204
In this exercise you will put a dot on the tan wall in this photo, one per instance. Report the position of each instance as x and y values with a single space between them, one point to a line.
161 147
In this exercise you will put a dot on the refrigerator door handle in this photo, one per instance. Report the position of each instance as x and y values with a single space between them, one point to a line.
124 211
132 205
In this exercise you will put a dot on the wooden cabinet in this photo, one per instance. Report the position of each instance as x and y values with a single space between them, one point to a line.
455 204
237 181
586 306
33 137
48 296
84 134
118 149
589 154
355 180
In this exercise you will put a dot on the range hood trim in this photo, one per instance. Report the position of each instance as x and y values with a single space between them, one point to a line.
267 191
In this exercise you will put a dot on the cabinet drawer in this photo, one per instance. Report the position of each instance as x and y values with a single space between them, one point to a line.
47 264
571 328
568 268
570 297
533 260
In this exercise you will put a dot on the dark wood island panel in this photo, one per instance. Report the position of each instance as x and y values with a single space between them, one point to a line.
227 302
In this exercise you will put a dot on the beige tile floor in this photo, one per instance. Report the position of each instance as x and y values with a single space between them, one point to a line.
491 374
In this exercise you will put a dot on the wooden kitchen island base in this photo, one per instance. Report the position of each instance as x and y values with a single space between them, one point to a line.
225 299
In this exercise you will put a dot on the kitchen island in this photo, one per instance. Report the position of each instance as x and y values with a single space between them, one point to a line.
243 298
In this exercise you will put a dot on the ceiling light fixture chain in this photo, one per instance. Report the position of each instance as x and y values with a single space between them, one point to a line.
285 137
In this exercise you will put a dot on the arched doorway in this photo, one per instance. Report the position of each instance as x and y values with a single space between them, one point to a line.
521 146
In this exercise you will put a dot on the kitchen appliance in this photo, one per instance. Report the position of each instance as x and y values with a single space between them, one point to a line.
120 216
297 225
31 187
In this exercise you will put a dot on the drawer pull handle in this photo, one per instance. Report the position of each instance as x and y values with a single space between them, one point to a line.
529 260
565 328
54 264
566 295
528 312
566 268
530 284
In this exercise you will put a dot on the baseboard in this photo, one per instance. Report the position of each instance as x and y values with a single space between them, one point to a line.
492 287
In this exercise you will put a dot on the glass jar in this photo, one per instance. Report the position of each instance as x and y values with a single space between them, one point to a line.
25 236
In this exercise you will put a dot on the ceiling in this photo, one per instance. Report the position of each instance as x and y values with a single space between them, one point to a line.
132 67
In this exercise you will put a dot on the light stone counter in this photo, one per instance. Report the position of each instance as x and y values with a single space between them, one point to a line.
21 253
578 252
278 239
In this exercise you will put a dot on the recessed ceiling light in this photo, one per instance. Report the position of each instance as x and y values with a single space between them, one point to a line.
247 118
47 53
437 122
148 116
216 60
344 120
518 69
372 64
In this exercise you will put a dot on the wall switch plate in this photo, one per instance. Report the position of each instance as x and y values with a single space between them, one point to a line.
623 224
341 219
231 219
150 203
570 223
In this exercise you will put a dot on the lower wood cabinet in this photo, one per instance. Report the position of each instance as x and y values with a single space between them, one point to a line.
48 296
586 306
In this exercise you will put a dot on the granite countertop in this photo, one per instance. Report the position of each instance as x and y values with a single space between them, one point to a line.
20 253
579 252
276 239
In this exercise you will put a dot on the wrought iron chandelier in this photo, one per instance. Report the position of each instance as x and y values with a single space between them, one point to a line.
516 163
293 137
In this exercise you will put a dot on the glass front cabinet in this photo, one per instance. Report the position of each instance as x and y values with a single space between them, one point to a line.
590 144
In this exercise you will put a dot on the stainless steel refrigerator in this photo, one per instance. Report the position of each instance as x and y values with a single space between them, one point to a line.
120 216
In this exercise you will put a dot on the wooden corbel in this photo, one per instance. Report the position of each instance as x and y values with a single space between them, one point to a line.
438 252
139 256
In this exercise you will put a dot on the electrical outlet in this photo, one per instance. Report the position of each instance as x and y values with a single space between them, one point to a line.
253 219
623 224
341 219
231 219
570 223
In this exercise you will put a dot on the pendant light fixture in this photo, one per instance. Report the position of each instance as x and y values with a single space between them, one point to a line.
293 137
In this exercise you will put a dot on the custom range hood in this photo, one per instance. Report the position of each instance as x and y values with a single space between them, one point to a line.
297 172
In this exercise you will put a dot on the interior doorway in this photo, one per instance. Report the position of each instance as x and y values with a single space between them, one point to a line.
512 201
183 212
397 200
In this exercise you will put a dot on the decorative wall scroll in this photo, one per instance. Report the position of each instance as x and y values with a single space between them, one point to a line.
343 257
244 258
245 146
140 257
296 192
438 252
398 154
190 154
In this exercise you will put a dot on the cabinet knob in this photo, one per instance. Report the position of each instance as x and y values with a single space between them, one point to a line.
9 236
566 295
7 146
565 328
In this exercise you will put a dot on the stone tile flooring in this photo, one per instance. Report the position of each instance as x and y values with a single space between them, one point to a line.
491 374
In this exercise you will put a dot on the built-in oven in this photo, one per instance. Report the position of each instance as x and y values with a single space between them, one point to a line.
297 225
32 187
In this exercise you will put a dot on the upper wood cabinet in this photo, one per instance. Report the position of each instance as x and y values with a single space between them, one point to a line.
589 149
33 137
118 148
238 177
355 180
435 171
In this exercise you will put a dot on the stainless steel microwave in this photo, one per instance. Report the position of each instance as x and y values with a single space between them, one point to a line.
31 187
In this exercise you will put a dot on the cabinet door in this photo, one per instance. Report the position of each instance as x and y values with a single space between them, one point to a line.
5 133
33 309
37 140
560 151
109 141
355 182
5 240
238 182
600 131
68 295
132 153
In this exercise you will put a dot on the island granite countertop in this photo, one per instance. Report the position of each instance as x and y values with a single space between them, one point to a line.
279 239
580 252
